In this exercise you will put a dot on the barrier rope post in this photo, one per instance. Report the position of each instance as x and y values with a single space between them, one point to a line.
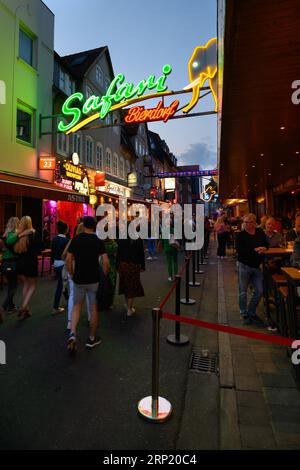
202 257
187 300
194 283
198 270
155 408
177 339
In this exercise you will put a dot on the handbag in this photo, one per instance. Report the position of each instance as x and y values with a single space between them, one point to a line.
9 267
173 242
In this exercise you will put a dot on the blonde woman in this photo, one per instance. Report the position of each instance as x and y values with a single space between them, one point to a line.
27 248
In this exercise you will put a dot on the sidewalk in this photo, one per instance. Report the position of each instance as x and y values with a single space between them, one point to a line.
264 398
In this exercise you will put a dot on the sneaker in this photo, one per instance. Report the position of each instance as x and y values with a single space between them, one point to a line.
243 316
247 321
13 309
72 344
149 257
58 310
271 328
91 343
170 279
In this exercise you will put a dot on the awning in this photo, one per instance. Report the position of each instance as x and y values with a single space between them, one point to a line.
15 185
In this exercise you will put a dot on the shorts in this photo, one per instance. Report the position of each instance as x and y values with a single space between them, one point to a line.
82 290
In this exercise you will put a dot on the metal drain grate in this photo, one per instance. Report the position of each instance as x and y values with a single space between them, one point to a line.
204 363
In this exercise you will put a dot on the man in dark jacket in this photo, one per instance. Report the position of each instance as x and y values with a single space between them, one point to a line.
251 246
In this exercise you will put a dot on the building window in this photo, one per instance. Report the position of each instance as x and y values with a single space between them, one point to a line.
108 160
62 144
115 165
89 92
127 168
99 75
121 168
25 120
77 145
99 156
107 83
89 151
25 47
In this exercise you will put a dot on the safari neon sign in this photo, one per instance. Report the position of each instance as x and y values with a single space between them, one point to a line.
120 94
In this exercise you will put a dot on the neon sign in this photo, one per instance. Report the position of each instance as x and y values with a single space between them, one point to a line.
104 105
202 66
140 114
208 194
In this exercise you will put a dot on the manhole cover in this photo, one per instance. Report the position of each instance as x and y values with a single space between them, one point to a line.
204 362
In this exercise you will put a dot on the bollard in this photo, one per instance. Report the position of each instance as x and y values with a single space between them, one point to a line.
177 339
198 271
194 283
155 408
202 257
187 300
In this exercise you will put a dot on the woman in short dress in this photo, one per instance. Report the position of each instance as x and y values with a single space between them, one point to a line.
130 262
27 248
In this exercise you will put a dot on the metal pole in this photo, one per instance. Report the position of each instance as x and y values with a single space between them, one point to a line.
155 408
198 270
194 283
177 339
202 257
187 300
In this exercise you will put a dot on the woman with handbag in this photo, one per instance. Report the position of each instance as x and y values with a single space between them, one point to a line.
27 247
9 263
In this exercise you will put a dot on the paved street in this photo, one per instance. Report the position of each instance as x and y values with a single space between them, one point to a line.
52 401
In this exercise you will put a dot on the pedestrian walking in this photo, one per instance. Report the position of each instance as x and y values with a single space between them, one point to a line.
27 247
251 245
170 249
58 245
130 263
222 234
83 265
107 282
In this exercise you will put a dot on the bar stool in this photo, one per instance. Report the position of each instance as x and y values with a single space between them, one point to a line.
284 328
277 281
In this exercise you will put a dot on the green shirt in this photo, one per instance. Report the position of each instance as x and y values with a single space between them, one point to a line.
11 239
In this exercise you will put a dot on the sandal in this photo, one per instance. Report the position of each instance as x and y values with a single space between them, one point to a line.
23 313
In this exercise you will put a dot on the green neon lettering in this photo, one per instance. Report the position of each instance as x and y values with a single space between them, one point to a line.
120 94
167 69
90 105
68 111
108 97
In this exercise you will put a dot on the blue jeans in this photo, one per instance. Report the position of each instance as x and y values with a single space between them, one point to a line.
247 276
151 247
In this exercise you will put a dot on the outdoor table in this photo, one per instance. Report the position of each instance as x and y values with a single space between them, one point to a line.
269 254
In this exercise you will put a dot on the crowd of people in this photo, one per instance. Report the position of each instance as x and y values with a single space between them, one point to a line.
86 267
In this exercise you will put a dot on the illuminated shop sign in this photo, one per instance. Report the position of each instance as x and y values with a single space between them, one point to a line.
72 177
117 189
99 178
208 194
179 174
140 114
170 183
202 66
47 163
132 179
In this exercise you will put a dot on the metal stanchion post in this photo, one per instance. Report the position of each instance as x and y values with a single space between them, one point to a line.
177 339
187 300
198 271
202 257
194 283
155 408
